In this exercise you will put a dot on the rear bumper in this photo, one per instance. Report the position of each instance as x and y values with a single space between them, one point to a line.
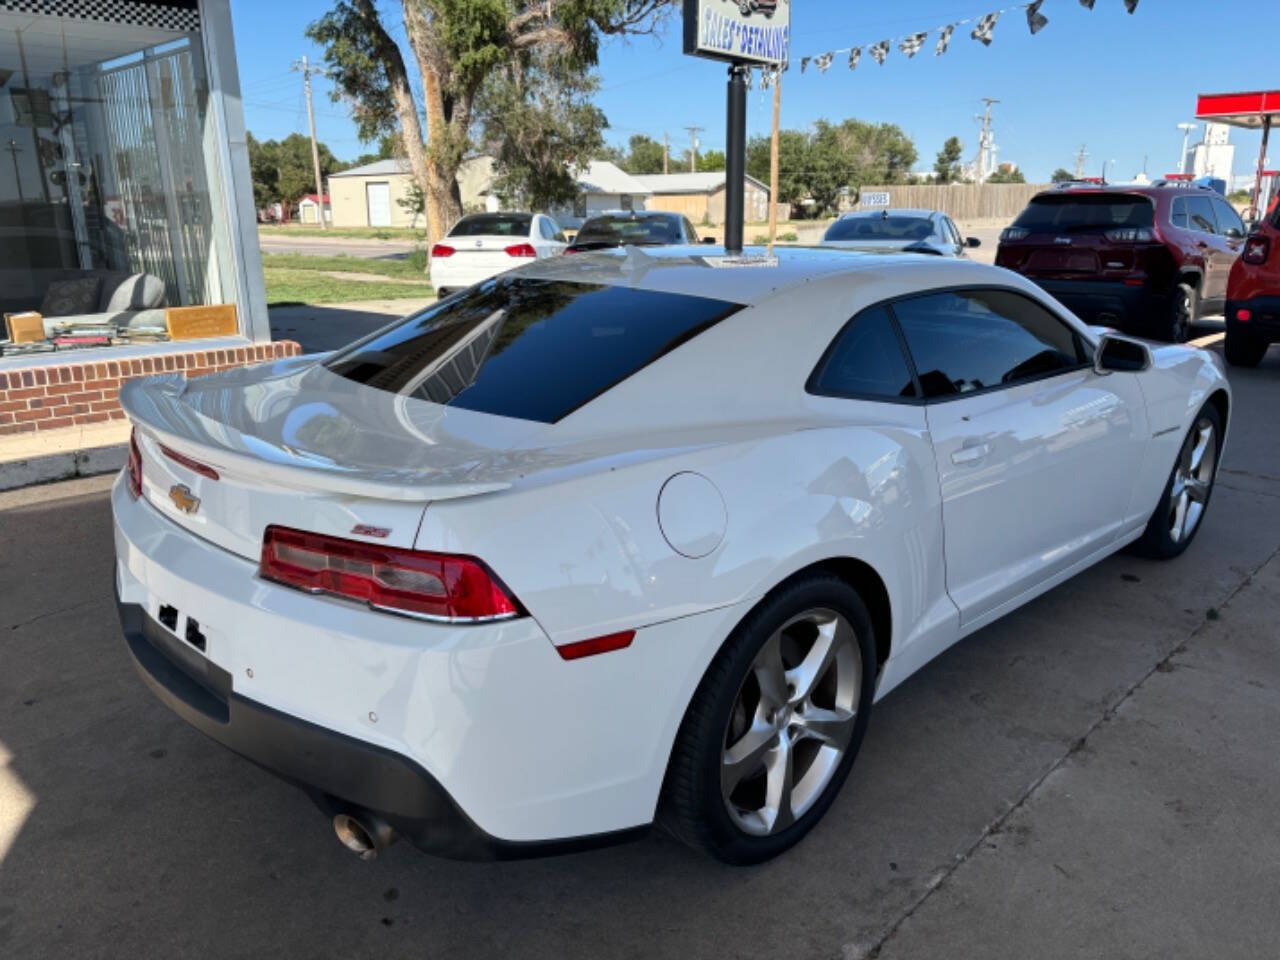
340 772
471 740
1264 320
453 273
1107 304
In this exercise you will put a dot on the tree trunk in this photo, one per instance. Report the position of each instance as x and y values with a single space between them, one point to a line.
402 94
440 191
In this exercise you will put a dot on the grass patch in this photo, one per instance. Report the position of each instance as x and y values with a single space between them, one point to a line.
409 269
289 286
366 233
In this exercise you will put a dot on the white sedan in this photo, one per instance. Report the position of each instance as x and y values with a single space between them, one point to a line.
482 245
623 538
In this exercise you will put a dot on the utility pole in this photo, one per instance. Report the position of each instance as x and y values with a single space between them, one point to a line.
693 148
773 160
1080 155
1186 129
666 152
306 70
984 145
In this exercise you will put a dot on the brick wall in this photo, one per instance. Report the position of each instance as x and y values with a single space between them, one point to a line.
65 394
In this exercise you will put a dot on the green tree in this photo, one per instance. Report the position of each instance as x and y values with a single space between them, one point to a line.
1007 176
388 149
457 48
282 170
1061 175
947 164
644 155
793 163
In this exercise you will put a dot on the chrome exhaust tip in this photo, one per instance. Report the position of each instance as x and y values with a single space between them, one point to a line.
363 834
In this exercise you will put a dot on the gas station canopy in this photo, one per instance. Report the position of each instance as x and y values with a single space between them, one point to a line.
1239 109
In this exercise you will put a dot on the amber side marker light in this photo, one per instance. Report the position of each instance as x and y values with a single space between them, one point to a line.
589 648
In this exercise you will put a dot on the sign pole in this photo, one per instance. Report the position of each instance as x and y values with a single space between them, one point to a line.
773 161
735 159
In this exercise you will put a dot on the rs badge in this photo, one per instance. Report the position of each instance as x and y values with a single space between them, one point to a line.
183 498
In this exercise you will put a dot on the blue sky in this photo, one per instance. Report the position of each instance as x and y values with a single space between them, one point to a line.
1117 83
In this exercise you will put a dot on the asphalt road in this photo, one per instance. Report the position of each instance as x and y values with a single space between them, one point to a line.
313 246
1092 776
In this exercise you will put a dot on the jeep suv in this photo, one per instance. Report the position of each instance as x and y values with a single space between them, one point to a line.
1148 259
1253 295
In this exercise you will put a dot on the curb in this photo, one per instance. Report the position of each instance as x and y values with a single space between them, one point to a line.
66 465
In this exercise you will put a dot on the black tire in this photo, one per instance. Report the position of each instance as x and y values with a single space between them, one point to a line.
1161 541
694 807
1242 349
1180 316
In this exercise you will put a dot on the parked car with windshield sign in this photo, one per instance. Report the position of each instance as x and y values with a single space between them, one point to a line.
1148 259
912 231
482 245
611 540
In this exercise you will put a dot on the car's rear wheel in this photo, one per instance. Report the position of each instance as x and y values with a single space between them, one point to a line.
1242 349
1186 495
775 724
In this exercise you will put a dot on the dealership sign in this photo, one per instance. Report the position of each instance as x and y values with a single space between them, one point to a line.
742 31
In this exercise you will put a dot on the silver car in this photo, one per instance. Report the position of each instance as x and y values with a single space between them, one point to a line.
913 231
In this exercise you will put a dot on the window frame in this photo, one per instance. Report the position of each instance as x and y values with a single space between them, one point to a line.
1191 217
1218 202
1084 350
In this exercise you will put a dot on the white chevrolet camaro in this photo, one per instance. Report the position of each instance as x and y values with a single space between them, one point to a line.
617 539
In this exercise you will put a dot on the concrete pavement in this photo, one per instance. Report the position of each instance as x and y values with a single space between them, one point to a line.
1092 776
369 248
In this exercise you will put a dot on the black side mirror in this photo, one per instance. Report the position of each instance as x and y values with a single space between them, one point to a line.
708 240
972 242
1120 354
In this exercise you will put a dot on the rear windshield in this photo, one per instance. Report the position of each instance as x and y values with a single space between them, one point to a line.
639 231
527 348
1067 212
880 228
493 224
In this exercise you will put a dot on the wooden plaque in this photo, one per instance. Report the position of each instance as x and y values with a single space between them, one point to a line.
25 327
197 323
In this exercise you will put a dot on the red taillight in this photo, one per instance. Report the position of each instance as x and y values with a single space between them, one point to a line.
1256 250
134 466
521 250
1244 314
193 465
1130 235
441 250
589 648
437 586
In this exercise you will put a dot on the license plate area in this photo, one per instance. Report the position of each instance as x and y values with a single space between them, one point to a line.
169 617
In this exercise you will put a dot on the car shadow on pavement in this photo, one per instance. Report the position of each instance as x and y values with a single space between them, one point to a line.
125 833
324 327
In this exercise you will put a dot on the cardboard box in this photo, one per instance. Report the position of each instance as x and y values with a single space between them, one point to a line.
27 327
197 323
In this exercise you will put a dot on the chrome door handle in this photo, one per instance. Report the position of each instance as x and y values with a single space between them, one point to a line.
971 454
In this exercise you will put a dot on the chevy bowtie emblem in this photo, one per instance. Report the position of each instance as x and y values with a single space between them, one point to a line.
183 498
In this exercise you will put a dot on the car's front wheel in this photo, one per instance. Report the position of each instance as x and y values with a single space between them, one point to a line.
1186 495
775 724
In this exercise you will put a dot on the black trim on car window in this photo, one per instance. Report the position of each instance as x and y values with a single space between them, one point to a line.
813 388
1084 350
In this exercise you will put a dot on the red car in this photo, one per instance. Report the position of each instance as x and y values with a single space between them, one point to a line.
1253 295
1148 259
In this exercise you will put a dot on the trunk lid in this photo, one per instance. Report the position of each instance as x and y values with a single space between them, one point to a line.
487 251
295 445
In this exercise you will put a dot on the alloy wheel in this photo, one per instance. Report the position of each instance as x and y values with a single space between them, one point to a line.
792 722
1192 480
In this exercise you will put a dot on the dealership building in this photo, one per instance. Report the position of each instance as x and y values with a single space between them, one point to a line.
128 237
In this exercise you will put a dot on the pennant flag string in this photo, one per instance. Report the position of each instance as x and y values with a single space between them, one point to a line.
912 43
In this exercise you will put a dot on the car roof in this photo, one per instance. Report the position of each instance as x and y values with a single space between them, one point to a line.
704 270
631 215
892 212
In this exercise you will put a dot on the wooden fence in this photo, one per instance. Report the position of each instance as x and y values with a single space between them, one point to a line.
961 201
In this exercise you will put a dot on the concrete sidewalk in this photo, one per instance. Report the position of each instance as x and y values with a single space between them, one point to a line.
1155 836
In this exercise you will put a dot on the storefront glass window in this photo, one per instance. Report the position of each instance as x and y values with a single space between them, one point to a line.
112 210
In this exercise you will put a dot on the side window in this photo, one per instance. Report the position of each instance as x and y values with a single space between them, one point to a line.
1229 221
967 340
1200 210
865 360
690 234
1179 215
953 233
